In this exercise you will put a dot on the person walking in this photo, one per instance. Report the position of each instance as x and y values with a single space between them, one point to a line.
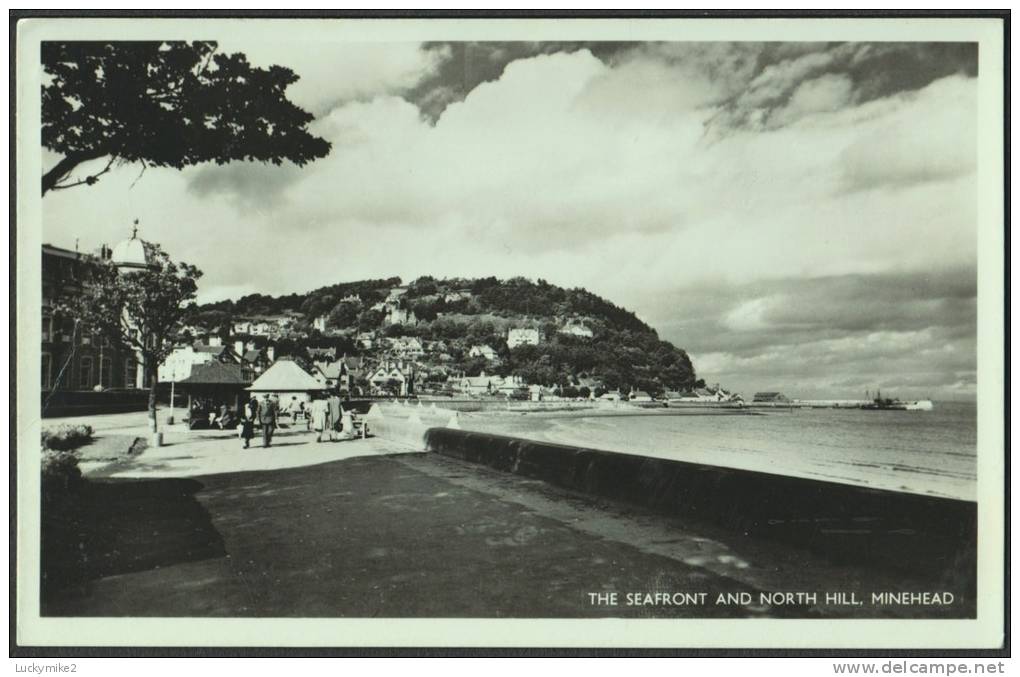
334 416
248 413
267 417
320 412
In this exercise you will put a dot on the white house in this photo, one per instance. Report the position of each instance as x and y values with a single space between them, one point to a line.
177 366
483 351
397 315
522 336
576 329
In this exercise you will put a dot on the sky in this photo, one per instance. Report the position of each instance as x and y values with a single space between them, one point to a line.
798 216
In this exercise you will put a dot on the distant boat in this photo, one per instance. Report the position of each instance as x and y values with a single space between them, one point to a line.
889 404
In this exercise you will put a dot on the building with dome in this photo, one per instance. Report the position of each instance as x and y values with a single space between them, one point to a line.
72 360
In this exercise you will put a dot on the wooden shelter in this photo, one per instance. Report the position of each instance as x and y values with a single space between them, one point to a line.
215 384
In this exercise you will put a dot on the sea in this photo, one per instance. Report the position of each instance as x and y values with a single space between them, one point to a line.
923 452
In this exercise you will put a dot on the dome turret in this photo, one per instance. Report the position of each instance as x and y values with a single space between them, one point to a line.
131 253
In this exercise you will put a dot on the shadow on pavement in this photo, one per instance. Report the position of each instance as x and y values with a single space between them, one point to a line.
123 526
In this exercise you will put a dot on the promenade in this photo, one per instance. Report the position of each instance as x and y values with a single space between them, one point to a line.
376 528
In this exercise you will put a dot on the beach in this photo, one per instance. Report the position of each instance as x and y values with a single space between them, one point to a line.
930 453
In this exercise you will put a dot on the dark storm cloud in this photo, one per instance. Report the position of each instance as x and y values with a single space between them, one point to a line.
757 81
869 71
468 64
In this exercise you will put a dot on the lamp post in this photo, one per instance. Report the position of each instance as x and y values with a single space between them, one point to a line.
173 380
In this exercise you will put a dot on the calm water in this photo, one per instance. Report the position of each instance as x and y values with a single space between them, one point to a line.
928 452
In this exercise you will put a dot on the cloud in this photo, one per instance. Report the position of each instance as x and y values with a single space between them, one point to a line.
904 150
747 199
827 336
333 73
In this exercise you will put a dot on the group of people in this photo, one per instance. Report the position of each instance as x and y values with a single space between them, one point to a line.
325 414
206 412
265 413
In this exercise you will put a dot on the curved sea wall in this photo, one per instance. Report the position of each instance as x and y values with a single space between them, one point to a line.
931 537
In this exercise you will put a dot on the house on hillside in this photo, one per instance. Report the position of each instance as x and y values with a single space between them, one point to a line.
392 377
258 359
407 346
483 351
576 329
394 314
178 364
640 396
365 339
319 323
522 337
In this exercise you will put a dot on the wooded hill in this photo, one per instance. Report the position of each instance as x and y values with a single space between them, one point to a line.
457 314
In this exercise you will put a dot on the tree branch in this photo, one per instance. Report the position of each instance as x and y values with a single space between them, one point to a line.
60 170
88 180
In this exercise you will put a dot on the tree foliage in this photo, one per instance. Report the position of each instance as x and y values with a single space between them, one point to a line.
141 309
166 104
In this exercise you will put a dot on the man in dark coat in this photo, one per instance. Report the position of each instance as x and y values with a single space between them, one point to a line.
267 417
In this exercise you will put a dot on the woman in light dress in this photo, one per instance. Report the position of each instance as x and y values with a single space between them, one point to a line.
320 415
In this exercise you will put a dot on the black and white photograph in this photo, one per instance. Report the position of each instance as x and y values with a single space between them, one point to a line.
350 324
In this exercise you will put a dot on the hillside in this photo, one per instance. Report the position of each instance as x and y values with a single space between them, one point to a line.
577 335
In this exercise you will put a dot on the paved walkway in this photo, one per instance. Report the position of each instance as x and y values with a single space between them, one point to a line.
362 537
194 453
373 528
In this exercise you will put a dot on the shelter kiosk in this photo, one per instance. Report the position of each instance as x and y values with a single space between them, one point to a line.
213 384
286 379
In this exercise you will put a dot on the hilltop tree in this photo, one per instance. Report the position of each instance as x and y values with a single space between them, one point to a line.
141 309
166 104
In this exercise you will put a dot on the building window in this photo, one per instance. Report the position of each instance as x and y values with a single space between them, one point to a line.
46 367
85 373
129 372
106 372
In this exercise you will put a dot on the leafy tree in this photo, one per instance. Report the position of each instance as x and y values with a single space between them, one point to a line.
370 319
166 104
344 315
142 309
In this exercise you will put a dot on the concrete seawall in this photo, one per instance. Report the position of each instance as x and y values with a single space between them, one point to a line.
932 538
